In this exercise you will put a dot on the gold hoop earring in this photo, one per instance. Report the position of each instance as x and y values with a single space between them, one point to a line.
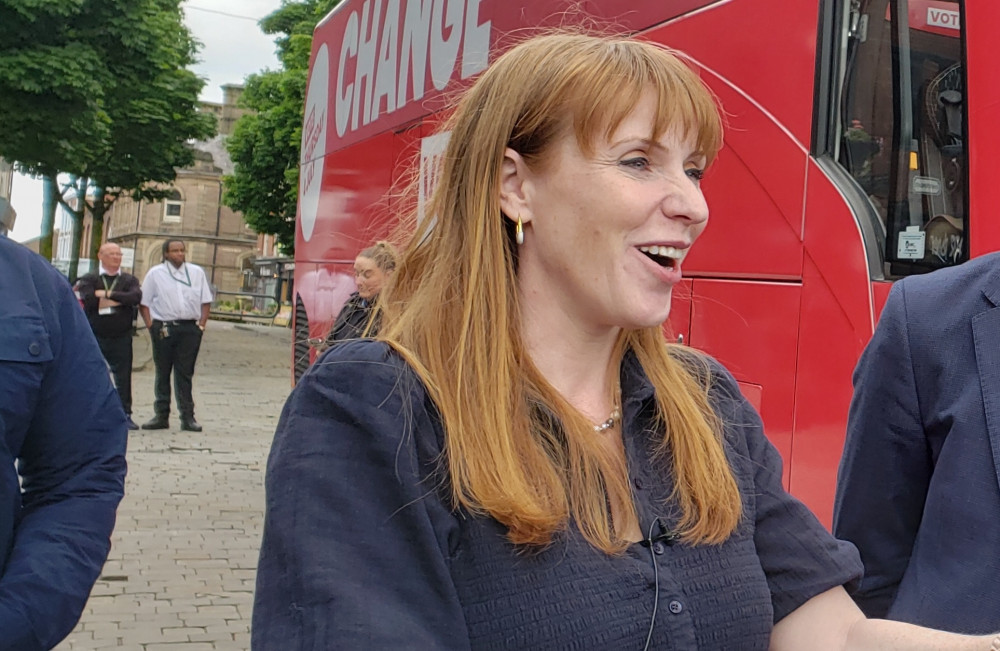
519 232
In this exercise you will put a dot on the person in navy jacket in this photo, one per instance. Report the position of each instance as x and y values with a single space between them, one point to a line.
919 483
62 454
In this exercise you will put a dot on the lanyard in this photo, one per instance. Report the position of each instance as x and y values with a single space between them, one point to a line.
105 281
171 272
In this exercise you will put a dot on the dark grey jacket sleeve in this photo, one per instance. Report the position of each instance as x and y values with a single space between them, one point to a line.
885 439
354 553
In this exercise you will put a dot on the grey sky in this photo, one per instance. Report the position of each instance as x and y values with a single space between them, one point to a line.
232 43
232 48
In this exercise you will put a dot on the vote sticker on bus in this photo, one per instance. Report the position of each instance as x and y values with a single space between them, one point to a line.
911 244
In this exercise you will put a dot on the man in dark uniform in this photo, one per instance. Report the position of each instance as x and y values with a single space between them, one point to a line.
110 298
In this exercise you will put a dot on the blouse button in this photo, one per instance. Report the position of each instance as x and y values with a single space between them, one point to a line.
638 483
34 348
657 547
675 607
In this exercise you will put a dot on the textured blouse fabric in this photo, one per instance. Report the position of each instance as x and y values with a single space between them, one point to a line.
361 550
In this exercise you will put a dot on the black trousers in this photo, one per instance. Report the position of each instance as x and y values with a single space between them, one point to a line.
175 349
117 353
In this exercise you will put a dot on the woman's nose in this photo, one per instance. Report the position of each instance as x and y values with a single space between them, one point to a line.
685 200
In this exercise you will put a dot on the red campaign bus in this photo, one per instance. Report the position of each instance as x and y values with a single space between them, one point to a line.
858 151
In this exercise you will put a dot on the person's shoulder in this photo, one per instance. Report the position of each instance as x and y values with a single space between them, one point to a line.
17 256
961 288
975 273
722 388
368 370
708 372
378 355
373 359
154 271
18 261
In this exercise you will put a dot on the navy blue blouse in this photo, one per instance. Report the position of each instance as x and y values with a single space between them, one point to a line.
361 549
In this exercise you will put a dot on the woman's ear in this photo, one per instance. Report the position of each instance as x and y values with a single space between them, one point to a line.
515 187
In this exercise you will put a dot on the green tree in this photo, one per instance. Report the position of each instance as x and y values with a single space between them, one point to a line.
98 91
52 89
265 144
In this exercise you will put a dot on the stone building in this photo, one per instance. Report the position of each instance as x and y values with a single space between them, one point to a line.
217 238
228 112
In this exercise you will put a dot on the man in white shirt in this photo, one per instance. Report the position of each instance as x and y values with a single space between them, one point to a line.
176 300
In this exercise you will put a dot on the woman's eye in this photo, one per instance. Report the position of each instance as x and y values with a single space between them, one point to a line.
695 174
637 163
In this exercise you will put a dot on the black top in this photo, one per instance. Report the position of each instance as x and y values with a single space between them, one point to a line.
124 288
353 318
362 550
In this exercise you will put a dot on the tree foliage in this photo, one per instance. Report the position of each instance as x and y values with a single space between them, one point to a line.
265 143
99 90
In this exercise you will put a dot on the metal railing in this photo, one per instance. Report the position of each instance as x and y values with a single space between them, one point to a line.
245 307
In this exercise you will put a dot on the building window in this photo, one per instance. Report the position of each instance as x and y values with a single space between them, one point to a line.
172 208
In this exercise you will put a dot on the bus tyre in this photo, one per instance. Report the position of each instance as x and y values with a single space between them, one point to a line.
301 346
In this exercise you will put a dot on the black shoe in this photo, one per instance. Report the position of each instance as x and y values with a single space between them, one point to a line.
190 425
158 422
131 424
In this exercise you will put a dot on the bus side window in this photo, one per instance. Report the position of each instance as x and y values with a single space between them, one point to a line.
901 127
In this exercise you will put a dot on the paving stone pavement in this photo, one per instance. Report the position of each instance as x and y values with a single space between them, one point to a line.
180 575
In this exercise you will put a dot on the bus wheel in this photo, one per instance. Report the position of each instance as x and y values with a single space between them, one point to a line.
301 347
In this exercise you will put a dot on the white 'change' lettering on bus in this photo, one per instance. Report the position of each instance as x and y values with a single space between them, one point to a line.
385 58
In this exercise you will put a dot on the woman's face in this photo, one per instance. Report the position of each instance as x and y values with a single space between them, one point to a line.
608 232
368 277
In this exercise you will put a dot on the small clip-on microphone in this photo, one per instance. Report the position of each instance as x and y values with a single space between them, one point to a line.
665 536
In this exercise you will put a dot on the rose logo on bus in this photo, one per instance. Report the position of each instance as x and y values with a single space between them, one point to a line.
313 142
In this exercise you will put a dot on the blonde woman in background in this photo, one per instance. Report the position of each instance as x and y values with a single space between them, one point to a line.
372 269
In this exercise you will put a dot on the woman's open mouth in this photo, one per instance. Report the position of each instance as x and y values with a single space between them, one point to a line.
665 256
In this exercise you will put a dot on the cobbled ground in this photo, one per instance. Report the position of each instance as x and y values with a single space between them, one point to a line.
180 576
